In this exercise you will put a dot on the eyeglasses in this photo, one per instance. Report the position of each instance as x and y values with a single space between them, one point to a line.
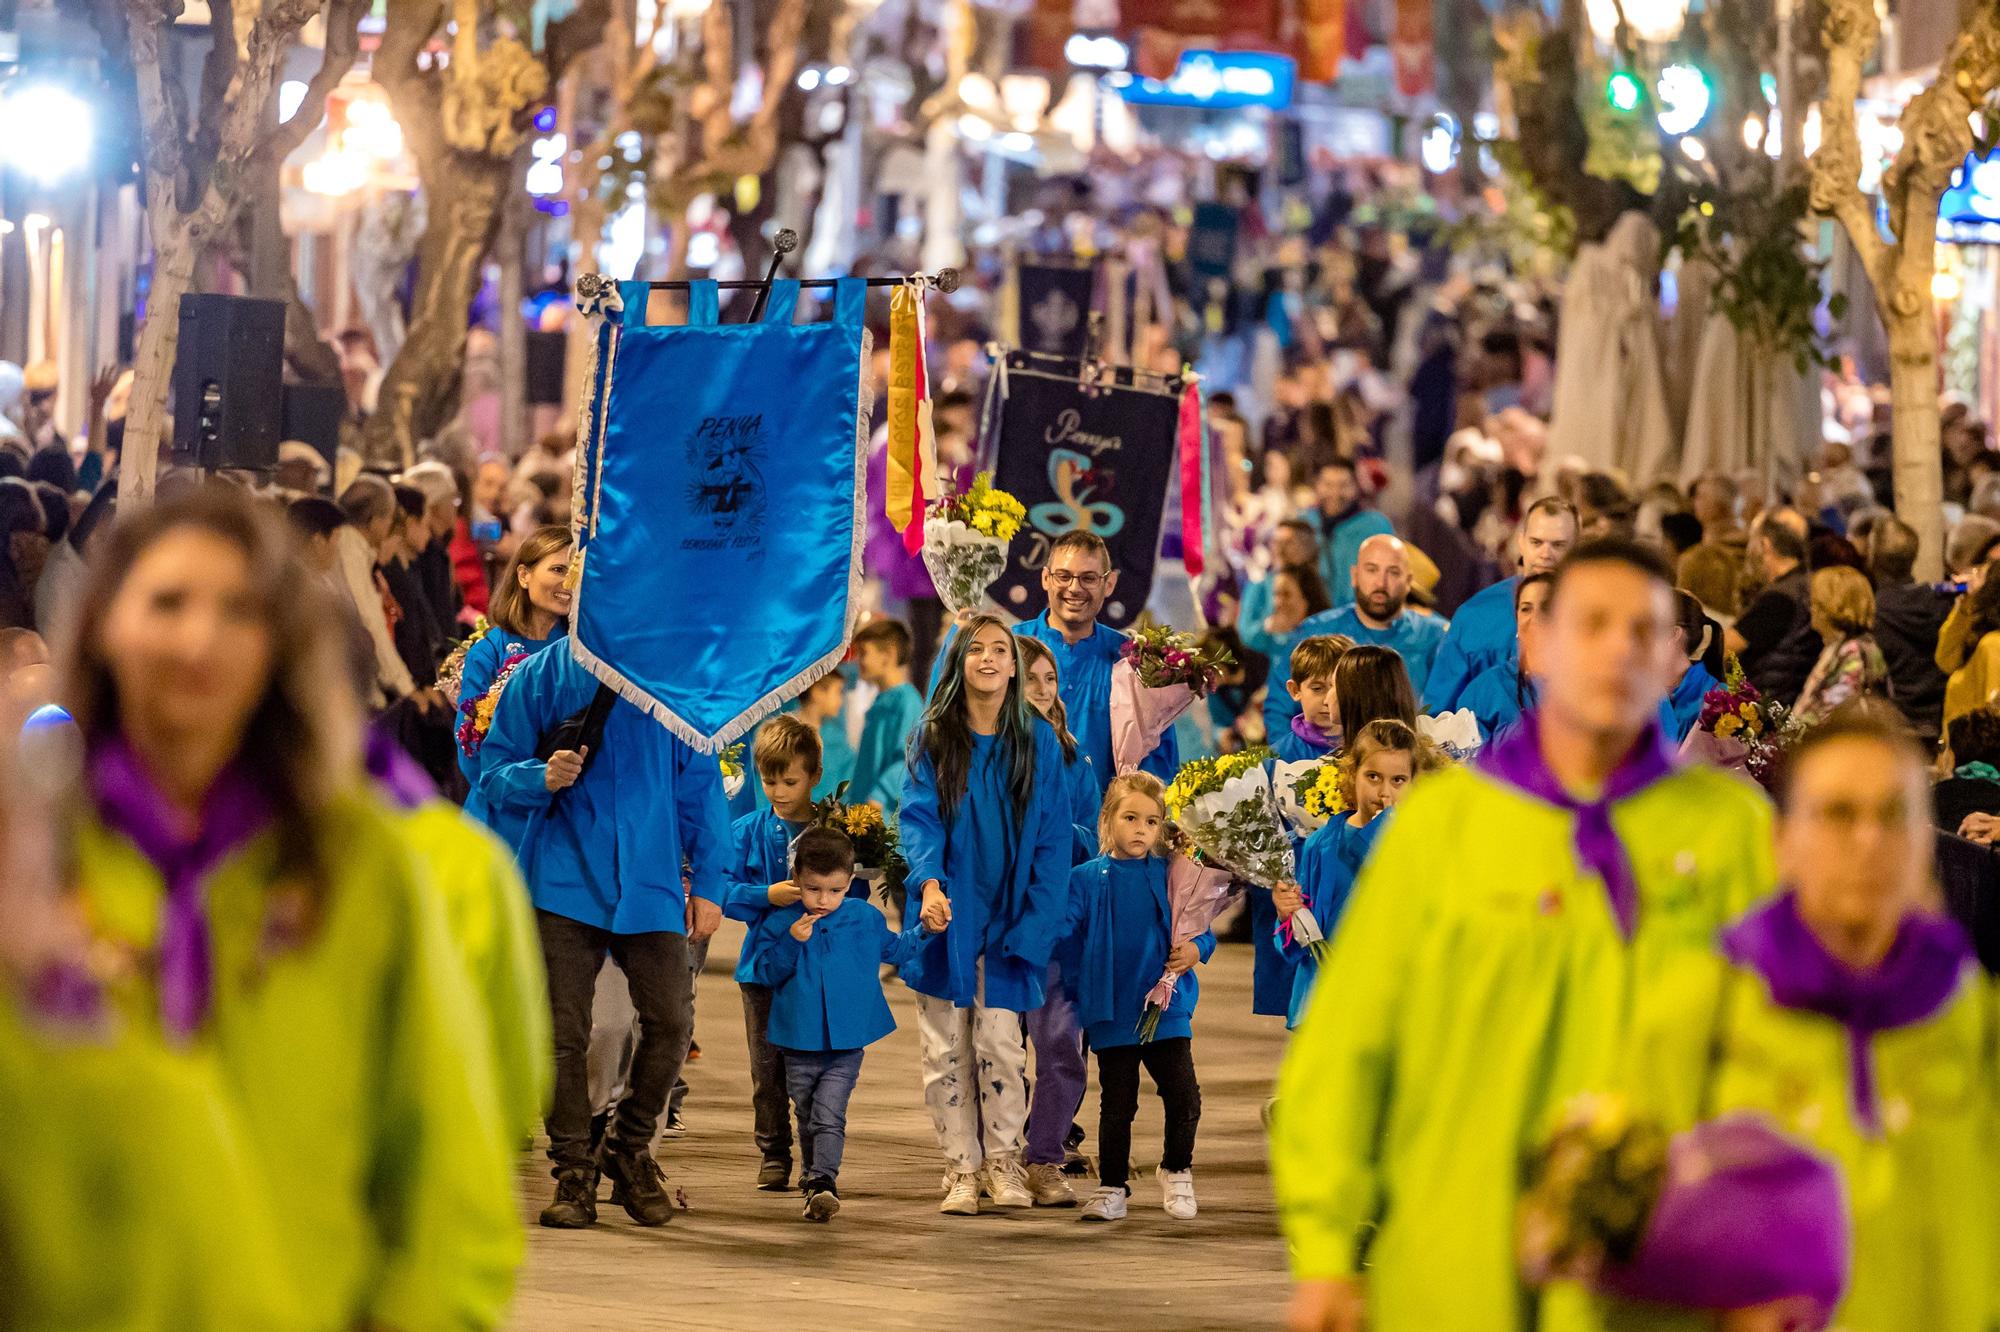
1089 582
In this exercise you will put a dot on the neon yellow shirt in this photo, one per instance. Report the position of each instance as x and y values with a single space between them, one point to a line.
1477 981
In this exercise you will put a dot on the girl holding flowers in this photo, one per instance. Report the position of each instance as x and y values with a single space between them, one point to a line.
1374 775
986 830
1120 937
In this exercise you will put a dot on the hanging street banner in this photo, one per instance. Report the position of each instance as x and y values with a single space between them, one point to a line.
718 505
1055 308
1084 458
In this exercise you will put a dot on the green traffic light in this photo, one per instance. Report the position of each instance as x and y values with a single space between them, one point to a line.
1624 91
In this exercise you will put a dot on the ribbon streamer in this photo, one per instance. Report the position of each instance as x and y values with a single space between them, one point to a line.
912 440
1194 495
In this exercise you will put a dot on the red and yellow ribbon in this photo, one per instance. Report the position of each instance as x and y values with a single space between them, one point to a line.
912 441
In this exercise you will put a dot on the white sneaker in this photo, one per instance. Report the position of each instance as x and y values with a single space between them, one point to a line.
1177 1193
1107 1204
1049 1188
961 1193
1006 1182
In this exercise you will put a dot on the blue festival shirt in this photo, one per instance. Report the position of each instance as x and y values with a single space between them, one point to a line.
1482 636
1083 679
607 851
1415 635
1120 929
885 735
483 660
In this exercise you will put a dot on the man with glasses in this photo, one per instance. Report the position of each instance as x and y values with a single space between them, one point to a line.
1078 579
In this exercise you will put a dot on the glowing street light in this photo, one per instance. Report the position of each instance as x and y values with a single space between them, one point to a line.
46 131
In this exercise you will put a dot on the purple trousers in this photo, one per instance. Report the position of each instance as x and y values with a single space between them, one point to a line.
1060 1072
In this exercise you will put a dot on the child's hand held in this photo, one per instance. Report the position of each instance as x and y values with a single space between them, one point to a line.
1287 898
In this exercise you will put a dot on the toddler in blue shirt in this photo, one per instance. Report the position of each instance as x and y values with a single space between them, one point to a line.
1120 940
821 960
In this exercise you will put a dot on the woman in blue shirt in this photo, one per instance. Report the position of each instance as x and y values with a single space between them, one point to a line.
529 611
987 833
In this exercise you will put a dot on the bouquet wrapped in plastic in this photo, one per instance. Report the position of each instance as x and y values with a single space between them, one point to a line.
965 542
1159 675
1196 894
733 775
1740 729
1228 811
1455 733
451 674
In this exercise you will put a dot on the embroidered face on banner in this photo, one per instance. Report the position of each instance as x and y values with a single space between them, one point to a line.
726 496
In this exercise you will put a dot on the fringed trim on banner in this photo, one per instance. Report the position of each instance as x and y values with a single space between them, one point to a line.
805 679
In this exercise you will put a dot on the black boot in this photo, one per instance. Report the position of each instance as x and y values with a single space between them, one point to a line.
575 1204
636 1182
775 1175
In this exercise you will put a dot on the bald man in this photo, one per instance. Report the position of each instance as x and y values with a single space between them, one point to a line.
1381 582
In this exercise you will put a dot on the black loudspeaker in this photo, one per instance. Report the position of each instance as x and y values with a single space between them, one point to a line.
228 382
312 415
545 367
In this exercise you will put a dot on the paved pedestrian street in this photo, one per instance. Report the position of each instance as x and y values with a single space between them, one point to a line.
738 1259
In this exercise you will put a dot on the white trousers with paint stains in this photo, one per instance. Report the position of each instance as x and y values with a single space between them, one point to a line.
975 1080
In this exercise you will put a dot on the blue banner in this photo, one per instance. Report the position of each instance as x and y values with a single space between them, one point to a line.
719 489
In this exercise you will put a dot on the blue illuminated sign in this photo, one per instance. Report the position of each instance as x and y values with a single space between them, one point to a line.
1969 212
1214 78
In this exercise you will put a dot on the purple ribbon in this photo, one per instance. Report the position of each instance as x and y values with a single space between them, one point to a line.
1920 973
1312 735
398 776
1516 759
131 803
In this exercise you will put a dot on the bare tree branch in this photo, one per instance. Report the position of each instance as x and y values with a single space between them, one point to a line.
1852 32
343 45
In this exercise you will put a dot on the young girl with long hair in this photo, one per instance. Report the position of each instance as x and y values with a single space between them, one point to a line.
255 903
986 830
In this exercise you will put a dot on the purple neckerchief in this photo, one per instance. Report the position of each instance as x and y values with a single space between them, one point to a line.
1918 976
397 775
1312 735
234 810
1516 759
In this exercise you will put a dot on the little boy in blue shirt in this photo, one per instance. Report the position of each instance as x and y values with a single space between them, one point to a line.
820 959
786 755
882 657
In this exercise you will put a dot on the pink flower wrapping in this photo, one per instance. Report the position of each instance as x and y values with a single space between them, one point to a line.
1196 895
1140 715
1717 750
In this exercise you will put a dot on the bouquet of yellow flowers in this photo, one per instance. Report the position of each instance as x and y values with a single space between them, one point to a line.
965 541
878 855
476 714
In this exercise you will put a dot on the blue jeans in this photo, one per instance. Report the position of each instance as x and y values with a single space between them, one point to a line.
820 1081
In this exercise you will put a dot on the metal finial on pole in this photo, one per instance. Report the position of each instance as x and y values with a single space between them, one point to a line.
782 244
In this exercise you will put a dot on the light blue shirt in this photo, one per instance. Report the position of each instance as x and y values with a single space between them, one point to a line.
1482 636
1415 635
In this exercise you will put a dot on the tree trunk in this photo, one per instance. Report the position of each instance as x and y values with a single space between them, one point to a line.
174 251
1913 397
420 392
511 252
